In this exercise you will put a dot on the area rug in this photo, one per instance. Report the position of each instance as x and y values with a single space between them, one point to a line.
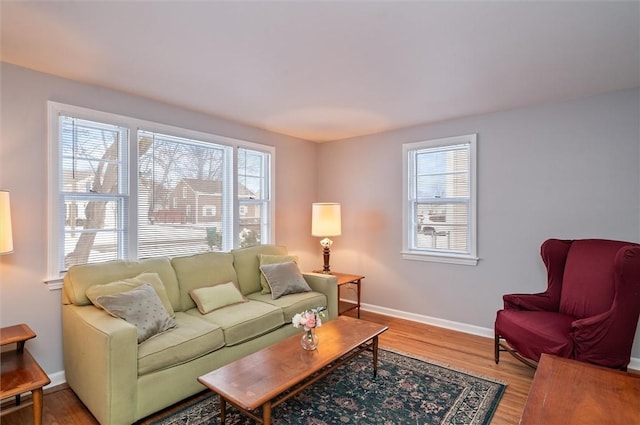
406 391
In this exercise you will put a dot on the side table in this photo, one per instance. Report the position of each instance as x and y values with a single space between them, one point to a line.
346 279
20 373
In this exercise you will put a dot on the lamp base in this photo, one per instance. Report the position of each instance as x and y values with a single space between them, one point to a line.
325 254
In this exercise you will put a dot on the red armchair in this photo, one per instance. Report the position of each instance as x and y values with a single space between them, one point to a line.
589 311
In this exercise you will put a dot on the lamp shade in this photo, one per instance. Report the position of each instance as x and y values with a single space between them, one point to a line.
325 219
6 236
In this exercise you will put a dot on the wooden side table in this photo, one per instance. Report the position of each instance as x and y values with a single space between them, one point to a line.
20 373
570 392
345 279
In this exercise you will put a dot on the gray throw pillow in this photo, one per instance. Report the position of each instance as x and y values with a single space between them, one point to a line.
272 259
141 307
284 278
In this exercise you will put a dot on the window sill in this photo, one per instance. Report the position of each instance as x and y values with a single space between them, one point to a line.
466 260
54 283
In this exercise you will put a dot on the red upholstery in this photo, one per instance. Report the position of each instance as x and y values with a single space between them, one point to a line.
589 311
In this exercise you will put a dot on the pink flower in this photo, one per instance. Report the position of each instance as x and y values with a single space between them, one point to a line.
311 321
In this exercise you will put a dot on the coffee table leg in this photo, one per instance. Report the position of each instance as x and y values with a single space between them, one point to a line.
266 413
223 409
375 355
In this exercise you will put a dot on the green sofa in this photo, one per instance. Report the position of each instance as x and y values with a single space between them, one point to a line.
121 381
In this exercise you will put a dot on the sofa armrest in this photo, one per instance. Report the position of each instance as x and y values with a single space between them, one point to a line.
328 285
101 364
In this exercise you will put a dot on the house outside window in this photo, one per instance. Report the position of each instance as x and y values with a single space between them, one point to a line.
439 208
209 210
122 188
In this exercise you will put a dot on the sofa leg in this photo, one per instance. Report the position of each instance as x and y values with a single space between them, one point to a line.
496 347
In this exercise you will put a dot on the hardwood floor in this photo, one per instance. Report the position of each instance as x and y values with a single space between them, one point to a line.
456 349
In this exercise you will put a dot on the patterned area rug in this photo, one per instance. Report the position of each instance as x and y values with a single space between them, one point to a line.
406 391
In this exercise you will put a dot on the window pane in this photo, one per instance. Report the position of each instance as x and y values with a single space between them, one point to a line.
253 197
94 224
439 195
442 226
182 195
93 230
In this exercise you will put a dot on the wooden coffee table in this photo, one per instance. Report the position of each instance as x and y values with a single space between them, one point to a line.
260 379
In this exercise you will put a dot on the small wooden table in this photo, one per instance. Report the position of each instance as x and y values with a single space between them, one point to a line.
20 373
570 392
261 378
346 279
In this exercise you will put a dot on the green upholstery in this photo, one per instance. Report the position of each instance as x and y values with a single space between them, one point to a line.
198 271
247 263
191 339
242 322
79 278
121 381
293 303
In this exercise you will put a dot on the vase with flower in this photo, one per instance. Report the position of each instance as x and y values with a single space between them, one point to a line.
309 320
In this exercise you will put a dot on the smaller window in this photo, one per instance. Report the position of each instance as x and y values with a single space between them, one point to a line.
209 210
244 210
439 219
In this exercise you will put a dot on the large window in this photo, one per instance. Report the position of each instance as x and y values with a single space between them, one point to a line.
439 217
122 188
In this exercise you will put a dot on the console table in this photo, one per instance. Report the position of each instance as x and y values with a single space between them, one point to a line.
20 373
570 392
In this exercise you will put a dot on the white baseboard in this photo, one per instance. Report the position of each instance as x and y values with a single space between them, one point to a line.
57 378
448 324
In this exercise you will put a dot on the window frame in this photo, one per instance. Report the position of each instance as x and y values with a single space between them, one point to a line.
133 125
408 221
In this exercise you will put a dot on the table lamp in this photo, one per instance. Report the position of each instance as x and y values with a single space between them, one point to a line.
6 236
325 222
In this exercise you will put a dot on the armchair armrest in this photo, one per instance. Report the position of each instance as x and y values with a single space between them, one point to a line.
100 360
328 285
530 302
612 332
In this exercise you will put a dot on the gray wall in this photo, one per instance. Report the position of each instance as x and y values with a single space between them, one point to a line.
23 170
567 170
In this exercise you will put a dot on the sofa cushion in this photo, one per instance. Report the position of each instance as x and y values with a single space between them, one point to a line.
214 297
272 259
200 270
140 307
243 322
247 263
96 291
293 303
81 277
284 279
192 338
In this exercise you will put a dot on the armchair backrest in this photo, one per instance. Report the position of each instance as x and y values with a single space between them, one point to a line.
588 284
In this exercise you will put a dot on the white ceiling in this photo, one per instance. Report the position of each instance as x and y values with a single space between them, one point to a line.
321 70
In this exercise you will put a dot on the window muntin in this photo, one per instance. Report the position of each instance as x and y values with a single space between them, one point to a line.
254 196
115 182
439 218
177 178
93 191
